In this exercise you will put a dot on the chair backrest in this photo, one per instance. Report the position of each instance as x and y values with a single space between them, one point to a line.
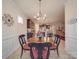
57 40
40 47
22 40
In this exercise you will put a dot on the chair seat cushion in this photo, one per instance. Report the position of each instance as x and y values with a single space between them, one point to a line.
25 46
54 45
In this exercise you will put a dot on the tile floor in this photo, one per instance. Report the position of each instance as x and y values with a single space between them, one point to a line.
53 55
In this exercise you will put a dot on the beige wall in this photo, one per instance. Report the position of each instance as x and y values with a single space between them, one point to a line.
10 34
71 27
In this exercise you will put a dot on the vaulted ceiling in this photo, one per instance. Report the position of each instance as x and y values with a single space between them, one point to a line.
54 9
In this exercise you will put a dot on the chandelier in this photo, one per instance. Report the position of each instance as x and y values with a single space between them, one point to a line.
39 15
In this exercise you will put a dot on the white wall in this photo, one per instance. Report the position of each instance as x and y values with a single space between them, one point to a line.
10 34
71 28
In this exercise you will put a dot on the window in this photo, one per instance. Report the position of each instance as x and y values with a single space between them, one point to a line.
20 19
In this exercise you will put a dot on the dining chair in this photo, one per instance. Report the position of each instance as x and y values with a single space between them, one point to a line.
39 50
46 51
24 45
33 51
55 44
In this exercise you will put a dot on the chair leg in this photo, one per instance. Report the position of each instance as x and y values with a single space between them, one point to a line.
48 56
31 54
57 52
21 52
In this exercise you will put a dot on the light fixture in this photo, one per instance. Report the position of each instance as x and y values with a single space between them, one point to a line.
39 15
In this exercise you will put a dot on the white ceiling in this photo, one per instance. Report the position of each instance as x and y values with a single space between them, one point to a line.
54 9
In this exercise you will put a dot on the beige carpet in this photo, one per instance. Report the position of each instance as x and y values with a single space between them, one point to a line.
53 55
